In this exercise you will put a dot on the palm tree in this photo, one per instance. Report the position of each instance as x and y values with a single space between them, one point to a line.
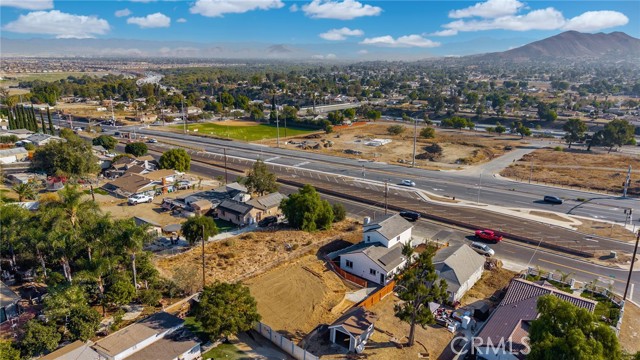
132 238
25 191
12 221
72 203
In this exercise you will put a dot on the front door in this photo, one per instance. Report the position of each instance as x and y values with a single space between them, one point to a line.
382 278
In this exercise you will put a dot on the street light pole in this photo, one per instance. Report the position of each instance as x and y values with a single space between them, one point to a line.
633 260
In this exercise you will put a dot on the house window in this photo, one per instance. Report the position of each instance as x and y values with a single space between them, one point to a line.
349 264
398 238
372 272
368 238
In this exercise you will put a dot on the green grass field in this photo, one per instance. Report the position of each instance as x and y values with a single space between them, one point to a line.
45 76
245 133
225 351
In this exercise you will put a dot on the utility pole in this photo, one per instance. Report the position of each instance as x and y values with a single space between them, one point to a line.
203 273
226 175
626 182
386 196
633 260
415 138
184 121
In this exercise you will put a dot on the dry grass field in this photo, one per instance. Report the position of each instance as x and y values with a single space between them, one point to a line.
599 172
459 148
630 331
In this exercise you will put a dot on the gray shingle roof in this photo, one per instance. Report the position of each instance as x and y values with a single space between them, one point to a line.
386 258
519 307
389 226
235 207
456 264
267 201
14 151
77 350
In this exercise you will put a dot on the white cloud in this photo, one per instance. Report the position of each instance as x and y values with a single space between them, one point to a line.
181 20
401 42
488 9
341 34
325 57
123 13
340 10
544 19
447 32
60 24
596 20
155 20
294 8
217 8
363 52
28 4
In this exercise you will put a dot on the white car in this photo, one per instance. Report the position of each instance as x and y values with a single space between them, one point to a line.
482 249
152 141
407 182
139 199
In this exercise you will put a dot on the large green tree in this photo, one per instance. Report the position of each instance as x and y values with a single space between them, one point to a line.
617 132
39 338
305 210
260 180
418 286
106 141
136 149
7 351
176 159
192 228
575 129
72 158
565 331
225 309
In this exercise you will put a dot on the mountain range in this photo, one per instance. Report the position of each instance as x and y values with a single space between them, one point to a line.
570 44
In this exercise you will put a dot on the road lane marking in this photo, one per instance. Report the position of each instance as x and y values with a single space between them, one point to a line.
273 158
301 164
582 271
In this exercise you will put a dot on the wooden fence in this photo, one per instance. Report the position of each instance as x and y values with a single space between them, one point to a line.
345 275
378 295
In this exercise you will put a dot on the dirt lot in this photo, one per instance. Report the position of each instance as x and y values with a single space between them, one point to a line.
605 229
600 172
630 331
294 298
458 147
252 253
492 281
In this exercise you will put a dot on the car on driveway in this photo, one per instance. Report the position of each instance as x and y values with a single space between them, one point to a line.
482 249
407 182
488 235
553 199
139 199
410 215
268 221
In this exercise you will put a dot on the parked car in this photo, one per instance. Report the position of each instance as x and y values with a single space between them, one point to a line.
183 185
407 182
152 141
139 199
553 199
410 215
482 249
488 235
268 221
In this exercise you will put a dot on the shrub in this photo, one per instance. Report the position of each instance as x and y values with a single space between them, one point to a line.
428 133
339 212
557 148
395 129
149 297
136 149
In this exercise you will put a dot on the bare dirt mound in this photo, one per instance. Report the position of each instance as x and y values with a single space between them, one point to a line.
294 298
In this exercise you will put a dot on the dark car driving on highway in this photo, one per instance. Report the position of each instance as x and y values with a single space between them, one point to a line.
410 215
553 199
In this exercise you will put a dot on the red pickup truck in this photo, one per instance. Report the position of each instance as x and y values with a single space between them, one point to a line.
488 235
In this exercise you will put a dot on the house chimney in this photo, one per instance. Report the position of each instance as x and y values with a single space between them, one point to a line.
366 221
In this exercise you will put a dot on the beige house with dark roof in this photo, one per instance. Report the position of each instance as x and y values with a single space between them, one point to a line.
267 205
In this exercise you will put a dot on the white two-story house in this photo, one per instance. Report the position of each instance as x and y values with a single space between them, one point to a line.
378 257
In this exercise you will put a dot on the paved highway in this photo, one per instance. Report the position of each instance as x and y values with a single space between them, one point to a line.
462 185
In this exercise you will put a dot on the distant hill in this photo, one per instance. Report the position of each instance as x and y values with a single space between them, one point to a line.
574 45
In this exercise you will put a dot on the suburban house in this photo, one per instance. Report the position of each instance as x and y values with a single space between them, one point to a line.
161 336
8 303
126 164
129 184
378 257
77 350
19 133
8 156
508 326
460 267
234 211
353 329
42 139
266 205
154 227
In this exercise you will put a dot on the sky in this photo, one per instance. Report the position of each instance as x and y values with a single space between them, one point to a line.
353 26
